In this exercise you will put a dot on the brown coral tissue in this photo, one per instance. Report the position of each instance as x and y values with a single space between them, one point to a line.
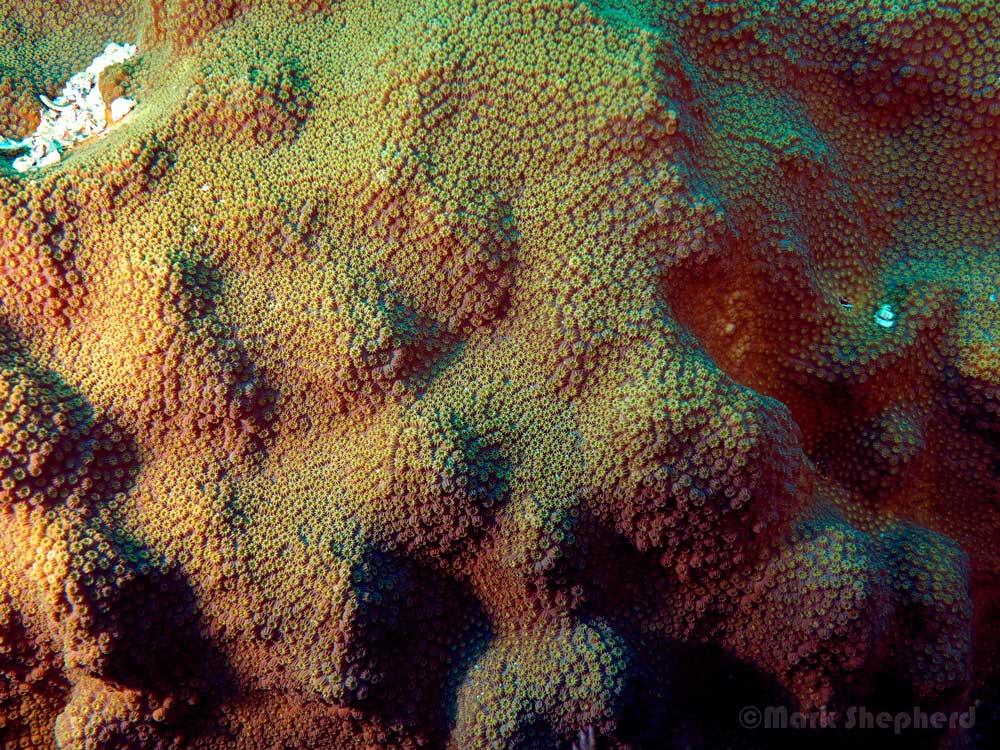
503 375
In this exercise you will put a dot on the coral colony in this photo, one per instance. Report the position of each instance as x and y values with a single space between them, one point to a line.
500 375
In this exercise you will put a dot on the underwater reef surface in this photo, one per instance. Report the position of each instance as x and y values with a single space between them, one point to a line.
502 374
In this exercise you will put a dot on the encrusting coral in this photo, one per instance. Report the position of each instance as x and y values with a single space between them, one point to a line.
501 374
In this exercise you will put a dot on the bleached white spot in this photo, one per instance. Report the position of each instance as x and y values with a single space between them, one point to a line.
121 107
885 317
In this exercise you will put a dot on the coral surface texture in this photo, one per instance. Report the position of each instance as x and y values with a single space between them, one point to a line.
502 375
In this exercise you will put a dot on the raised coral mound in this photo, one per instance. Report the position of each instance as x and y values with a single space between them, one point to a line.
504 374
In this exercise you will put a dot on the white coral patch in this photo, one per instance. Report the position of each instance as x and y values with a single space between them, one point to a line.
885 316
78 113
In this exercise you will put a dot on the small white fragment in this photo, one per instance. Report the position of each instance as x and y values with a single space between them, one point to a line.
204 188
121 107
885 317
23 163
52 157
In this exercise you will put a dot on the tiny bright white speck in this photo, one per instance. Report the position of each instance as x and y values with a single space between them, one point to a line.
885 317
